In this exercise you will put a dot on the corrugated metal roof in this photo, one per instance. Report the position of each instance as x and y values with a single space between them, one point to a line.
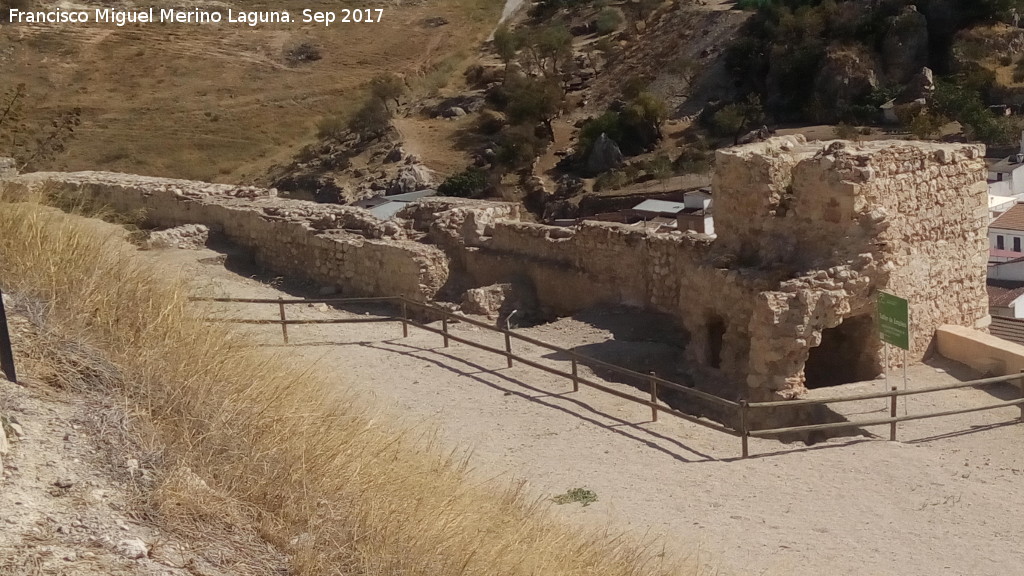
660 206
387 210
1011 329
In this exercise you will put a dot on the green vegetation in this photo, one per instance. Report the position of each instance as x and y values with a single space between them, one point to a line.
636 127
470 183
387 87
784 52
581 495
608 20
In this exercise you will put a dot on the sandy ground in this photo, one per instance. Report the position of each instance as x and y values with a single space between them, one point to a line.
943 500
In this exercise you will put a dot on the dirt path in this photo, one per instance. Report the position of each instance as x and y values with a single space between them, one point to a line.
943 501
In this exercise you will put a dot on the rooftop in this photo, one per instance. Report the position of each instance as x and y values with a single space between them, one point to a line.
1008 164
1012 219
1002 293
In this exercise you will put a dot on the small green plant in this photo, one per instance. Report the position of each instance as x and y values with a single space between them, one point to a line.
581 495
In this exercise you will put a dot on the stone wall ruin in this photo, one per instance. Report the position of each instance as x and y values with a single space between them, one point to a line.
782 299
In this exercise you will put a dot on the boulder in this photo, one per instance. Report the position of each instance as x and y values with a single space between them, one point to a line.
905 47
920 87
604 156
8 167
410 179
845 76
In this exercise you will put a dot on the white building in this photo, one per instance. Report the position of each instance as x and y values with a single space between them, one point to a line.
1006 176
1006 235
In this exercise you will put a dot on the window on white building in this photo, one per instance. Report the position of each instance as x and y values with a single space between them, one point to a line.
1000 244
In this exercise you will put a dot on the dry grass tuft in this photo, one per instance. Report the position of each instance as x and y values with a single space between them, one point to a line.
245 433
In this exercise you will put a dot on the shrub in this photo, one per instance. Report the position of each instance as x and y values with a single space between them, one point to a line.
608 20
331 127
302 52
371 120
470 183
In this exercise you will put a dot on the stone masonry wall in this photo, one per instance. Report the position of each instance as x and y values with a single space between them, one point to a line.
808 234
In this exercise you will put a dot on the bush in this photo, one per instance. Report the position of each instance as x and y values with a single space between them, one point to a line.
302 52
332 127
608 21
518 147
371 120
470 183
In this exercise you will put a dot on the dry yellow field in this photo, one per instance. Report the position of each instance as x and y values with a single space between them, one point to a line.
220 101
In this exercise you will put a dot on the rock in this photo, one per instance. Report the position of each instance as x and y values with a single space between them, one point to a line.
8 167
17 429
132 548
604 156
395 155
187 237
905 47
920 87
63 483
410 179
486 301
453 112
847 75
5 447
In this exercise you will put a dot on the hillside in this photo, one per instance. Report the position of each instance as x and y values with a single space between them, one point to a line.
223 102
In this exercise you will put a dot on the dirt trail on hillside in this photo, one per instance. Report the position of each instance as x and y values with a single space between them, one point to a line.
943 501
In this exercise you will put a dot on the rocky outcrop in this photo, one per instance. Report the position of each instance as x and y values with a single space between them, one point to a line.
905 47
846 76
604 155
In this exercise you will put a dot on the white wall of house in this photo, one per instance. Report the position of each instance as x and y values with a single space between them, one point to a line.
1008 271
1014 180
1012 240
1003 188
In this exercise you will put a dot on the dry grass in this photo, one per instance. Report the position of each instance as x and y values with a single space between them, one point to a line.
334 485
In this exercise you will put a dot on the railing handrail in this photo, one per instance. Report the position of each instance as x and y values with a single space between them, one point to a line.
474 322
873 395
742 408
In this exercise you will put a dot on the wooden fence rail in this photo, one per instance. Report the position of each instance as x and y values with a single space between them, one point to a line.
741 411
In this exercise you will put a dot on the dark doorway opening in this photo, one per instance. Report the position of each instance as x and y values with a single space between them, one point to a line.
847 353
716 333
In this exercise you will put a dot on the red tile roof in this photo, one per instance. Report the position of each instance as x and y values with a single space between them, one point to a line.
1002 293
1012 219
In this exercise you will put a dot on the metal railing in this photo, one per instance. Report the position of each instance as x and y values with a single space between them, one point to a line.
654 383
742 412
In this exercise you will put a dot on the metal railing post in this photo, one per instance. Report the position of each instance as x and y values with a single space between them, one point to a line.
575 377
654 400
1020 383
6 350
892 414
405 320
284 324
508 347
444 327
744 431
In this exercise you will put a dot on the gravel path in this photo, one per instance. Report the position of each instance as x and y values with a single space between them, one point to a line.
942 501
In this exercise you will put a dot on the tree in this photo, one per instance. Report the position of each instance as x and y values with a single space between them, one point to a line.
549 47
372 119
734 119
532 101
387 87
507 44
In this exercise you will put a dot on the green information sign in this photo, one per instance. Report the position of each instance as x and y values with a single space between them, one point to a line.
894 320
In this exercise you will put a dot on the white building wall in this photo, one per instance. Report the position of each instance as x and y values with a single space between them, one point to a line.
1008 236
